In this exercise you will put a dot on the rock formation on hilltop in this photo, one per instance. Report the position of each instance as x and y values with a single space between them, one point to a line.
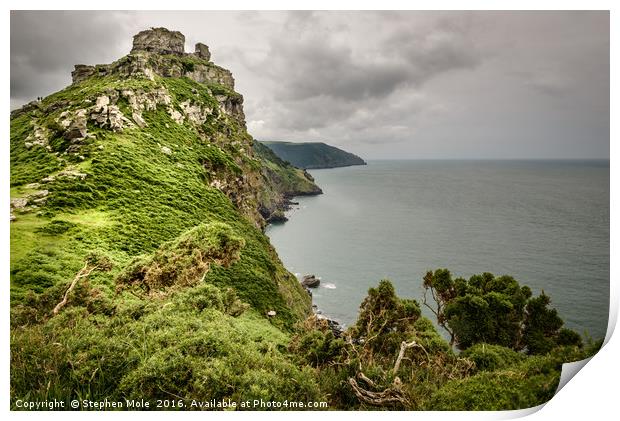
158 51
159 41
158 75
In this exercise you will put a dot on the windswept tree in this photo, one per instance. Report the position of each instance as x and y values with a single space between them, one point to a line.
494 310
384 317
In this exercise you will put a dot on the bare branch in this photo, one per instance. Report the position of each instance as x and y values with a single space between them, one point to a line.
389 396
83 273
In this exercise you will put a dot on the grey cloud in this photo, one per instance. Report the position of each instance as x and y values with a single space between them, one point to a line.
46 44
317 64
381 84
331 71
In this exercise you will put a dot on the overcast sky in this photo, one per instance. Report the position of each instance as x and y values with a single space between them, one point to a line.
379 84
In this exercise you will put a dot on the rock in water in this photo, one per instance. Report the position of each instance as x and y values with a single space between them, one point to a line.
310 281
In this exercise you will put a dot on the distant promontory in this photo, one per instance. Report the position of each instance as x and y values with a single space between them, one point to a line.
314 155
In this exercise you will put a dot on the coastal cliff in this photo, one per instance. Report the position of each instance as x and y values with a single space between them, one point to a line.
314 155
137 195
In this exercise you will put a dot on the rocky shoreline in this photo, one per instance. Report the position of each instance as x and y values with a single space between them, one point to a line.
309 282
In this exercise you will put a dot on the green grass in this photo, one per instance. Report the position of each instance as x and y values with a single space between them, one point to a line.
189 346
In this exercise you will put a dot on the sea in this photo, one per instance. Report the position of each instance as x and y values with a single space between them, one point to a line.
546 223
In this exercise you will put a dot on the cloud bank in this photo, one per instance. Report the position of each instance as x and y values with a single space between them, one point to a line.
380 84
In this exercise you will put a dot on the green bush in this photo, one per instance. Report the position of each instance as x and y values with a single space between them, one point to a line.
56 227
184 262
494 310
492 357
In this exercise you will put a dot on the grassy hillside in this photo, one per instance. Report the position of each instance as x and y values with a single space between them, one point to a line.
313 155
123 169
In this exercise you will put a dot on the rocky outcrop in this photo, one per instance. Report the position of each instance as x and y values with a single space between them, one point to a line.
107 114
159 41
82 72
202 73
39 136
202 51
150 56
76 128
28 203
310 281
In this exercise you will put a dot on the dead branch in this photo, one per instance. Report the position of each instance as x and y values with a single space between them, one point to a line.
404 346
83 273
389 396
438 313
363 377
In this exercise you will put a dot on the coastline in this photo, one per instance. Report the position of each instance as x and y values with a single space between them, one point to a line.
279 218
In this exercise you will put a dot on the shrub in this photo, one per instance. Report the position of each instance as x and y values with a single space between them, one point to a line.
316 343
493 310
384 319
56 226
492 357
185 261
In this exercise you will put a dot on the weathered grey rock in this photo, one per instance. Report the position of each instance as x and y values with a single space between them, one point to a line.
202 51
175 115
39 137
68 174
166 150
82 72
310 281
106 114
232 106
140 101
195 113
160 41
137 117
115 118
40 193
102 102
19 203
204 74
76 128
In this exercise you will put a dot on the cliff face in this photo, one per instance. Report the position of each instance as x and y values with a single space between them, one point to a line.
133 154
314 155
